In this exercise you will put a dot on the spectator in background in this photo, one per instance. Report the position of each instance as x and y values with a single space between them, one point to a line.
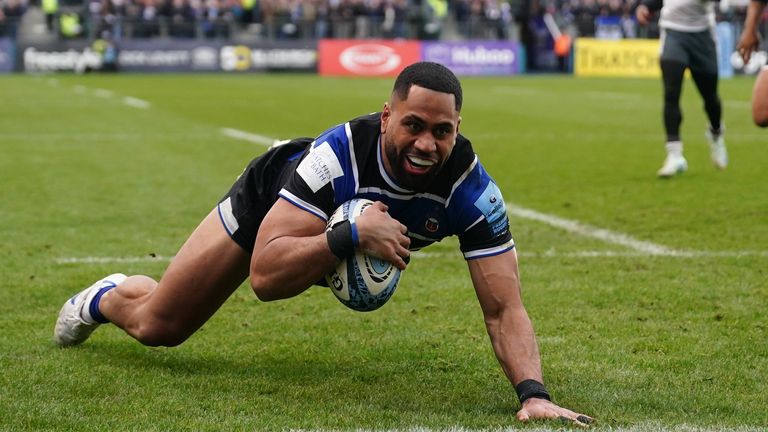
216 19
248 12
585 12
50 9
182 19
687 43
146 20
10 17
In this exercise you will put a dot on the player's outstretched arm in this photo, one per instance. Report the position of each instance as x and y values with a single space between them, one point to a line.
497 285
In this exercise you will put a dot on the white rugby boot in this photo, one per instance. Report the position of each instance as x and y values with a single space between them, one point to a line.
675 163
717 150
75 323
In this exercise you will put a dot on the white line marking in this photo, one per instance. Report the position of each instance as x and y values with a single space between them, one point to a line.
590 231
103 93
641 247
247 136
111 260
136 103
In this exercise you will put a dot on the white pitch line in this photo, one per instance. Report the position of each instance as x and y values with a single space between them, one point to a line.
136 103
247 136
103 93
641 247
112 260
593 232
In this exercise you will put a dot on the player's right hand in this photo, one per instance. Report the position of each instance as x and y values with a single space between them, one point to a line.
383 236
748 43
643 14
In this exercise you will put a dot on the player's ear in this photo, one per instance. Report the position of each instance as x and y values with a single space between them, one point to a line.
458 123
385 114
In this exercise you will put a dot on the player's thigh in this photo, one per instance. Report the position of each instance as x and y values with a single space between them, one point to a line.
203 274
674 47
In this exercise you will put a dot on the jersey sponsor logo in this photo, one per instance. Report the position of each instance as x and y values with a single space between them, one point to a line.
320 167
491 204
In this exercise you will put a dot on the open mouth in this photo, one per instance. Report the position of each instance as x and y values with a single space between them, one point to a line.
419 164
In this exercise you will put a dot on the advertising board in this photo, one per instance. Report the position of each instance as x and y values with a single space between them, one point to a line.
616 58
170 56
370 57
475 57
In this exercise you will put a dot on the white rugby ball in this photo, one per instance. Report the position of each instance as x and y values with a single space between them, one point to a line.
361 282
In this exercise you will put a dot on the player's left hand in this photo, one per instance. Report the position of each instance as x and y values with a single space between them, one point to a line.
540 409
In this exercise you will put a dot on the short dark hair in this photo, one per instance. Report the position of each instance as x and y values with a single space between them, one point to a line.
432 76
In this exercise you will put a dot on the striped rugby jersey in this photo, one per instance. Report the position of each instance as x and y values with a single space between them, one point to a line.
345 162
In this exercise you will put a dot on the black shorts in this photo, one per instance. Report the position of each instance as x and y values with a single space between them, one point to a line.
249 199
697 50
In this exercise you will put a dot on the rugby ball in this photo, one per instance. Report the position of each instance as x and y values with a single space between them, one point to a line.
361 282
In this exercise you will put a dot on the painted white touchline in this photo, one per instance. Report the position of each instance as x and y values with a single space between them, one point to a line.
590 231
136 103
247 136
111 260
103 93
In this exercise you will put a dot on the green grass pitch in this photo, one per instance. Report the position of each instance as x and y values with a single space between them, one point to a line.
649 296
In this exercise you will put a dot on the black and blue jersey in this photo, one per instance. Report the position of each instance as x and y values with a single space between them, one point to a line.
345 162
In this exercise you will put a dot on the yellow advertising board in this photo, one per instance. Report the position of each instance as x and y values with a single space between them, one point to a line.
616 58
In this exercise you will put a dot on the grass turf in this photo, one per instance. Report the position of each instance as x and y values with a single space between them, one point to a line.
636 340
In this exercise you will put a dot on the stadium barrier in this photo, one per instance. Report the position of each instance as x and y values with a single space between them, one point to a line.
387 58
345 57
616 58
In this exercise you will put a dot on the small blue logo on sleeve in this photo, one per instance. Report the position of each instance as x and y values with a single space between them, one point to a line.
491 204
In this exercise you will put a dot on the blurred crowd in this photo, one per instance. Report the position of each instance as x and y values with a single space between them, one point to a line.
314 19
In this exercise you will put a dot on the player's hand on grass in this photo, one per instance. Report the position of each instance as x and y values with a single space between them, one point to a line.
383 236
542 409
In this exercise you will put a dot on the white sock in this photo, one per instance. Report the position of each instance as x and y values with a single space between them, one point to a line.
674 148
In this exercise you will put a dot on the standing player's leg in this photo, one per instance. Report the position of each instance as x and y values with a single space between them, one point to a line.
203 274
672 72
704 70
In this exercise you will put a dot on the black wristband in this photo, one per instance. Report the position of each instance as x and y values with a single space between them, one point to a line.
531 389
340 239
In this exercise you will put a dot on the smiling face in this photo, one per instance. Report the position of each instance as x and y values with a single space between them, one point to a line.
418 135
